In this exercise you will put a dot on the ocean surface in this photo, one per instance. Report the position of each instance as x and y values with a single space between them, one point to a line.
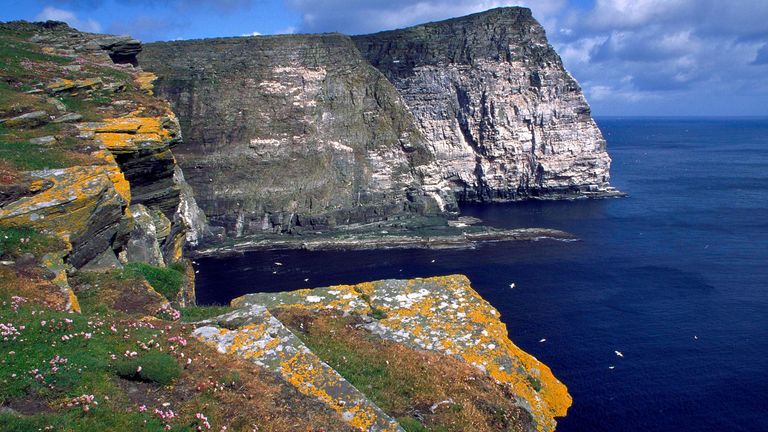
675 277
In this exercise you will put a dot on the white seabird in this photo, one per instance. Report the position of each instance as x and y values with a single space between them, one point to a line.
618 353
542 340
512 285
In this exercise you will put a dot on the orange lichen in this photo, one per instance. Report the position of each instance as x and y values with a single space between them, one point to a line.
146 80
446 315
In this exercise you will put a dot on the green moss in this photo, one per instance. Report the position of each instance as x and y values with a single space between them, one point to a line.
199 313
155 367
17 241
166 281
410 424
535 383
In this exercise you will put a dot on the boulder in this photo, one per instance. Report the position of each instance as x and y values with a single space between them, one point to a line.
143 245
28 120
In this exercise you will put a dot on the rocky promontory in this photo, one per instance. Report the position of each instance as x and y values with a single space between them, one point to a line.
500 113
441 315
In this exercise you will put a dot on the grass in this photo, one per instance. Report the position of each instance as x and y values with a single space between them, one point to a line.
57 357
167 281
155 367
15 102
54 358
15 242
13 52
410 424
199 313
28 157
407 383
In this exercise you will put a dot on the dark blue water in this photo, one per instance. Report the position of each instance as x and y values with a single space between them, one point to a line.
684 257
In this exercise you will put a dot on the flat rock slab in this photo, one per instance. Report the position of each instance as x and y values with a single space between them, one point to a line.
254 334
442 314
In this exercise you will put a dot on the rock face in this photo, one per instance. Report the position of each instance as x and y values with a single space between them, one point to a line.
118 161
500 113
289 133
84 205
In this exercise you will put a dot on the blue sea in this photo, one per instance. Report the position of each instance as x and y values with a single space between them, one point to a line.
675 277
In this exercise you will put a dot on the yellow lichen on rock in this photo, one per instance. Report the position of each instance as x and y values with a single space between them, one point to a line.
146 80
65 208
130 134
442 314
262 339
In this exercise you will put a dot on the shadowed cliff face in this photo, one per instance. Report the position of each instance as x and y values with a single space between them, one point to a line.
289 133
502 116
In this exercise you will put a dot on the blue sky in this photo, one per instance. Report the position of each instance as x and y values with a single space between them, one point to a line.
632 57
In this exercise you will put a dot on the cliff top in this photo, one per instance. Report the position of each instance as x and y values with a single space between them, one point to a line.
501 34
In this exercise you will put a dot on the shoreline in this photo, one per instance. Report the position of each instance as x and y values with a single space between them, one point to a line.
369 241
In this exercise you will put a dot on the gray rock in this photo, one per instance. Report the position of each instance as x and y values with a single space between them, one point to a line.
143 245
28 120
299 133
121 49
503 117
106 261
291 133
68 118
44 140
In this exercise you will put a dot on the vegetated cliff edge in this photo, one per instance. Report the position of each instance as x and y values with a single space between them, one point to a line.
289 133
85 153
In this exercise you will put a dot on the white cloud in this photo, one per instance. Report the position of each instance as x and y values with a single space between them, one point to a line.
251 34
69 17
375 15
287 30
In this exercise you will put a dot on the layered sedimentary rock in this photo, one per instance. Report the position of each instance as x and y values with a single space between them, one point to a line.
110 140
501 114
289 133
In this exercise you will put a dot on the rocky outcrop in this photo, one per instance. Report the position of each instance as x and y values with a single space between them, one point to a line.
261 338
290 133
501 114
84 205
442 314
112 141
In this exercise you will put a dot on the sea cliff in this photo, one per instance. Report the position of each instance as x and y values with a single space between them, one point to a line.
306 133
100 181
